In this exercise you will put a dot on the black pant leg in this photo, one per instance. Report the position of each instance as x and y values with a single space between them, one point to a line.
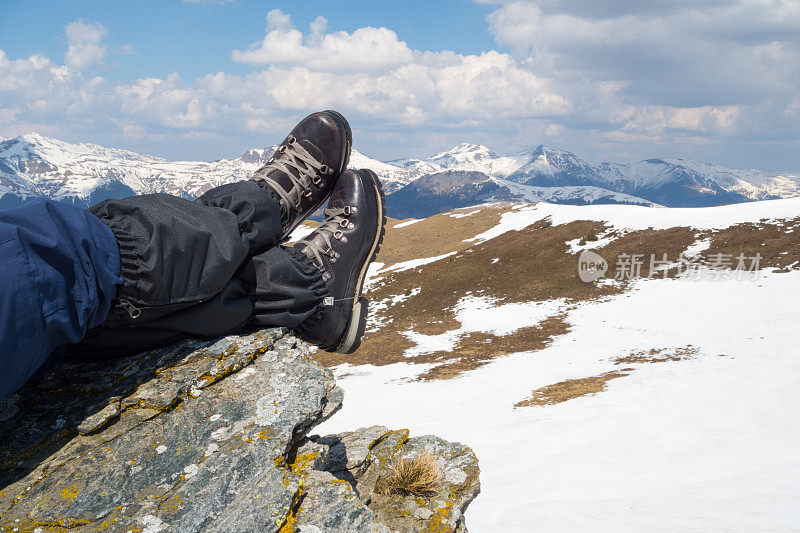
287 288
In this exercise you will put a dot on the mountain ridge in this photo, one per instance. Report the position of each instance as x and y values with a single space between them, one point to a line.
35 166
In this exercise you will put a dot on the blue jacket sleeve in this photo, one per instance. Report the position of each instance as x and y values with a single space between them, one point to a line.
60 272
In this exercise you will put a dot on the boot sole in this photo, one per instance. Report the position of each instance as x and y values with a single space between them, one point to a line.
358 316
344 126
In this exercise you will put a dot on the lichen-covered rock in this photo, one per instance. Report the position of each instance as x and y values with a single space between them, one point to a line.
207 436
346 470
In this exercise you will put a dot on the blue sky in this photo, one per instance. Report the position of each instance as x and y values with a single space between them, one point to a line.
620 80
196 38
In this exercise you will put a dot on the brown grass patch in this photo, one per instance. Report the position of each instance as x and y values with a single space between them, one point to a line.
417 476
571 388
435 235
778 243
476 349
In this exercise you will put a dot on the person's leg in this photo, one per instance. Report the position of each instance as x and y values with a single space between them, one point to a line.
180 260
201 269
60 271
279 287
259 215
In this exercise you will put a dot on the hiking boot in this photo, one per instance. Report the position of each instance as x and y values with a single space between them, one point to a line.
342 248
305 167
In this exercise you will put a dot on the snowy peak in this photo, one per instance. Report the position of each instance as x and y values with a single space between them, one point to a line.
257 155
392 176
555 157
467 157
554 164
466 151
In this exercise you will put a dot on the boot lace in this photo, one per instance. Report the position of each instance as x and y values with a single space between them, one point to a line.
335 220
301 167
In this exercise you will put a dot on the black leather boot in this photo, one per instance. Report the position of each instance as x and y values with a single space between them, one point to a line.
305 167
343 247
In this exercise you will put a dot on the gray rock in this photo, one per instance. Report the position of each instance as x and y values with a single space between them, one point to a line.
356 461
207 436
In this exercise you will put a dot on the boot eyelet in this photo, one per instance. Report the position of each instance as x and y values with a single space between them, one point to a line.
344 239
271 160
338 235
351 226
282 148
354 209
308 193
343 223
291 139
317 181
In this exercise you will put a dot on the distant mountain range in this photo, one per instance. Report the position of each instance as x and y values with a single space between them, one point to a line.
34 166
558 176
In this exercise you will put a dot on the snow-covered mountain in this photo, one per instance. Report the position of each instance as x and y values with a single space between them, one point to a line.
471 157
673 181
451 189
33 166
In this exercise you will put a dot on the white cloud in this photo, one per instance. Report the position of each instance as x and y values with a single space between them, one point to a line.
366 49
85 45
670 53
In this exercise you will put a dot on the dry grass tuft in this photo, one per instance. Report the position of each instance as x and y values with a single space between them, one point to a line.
417 476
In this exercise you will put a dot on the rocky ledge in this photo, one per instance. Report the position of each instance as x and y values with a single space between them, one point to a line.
211 436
